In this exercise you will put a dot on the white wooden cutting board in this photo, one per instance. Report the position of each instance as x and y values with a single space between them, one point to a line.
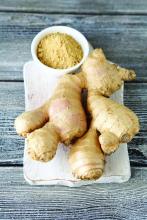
38 88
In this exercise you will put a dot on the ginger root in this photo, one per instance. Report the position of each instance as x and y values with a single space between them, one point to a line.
102 76
43 142
62 118
31 120
65 113
116 123
86 157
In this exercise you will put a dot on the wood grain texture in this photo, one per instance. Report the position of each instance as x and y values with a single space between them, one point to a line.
76 6
122 38
12 104
103 201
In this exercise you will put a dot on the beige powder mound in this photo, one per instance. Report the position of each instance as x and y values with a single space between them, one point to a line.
59 51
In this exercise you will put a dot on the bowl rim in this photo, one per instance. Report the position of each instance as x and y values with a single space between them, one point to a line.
52 29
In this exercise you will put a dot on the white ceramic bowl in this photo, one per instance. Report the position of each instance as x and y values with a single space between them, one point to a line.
62 29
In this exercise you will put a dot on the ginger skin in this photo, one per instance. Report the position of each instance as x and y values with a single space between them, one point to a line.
86 157
65 109
102 76
116 123
62 118
31 120
65 113
43 142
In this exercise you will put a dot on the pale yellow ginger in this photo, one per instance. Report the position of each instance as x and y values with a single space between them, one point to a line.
116 123
103 76
31 120
62 118
86 157
43 142
65 108
64 112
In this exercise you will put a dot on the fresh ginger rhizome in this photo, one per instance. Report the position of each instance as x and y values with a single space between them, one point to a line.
62 118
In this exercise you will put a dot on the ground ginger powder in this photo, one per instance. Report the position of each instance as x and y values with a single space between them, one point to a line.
59 51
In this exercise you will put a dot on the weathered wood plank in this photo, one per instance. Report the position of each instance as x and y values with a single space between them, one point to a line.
8 74
12 103
103 201
76 6
122 38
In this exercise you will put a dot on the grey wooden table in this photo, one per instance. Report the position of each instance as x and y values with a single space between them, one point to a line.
120 28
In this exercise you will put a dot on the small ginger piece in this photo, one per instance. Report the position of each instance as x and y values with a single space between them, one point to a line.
116 123
31 120
86 157
43 142
109 142
102 76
